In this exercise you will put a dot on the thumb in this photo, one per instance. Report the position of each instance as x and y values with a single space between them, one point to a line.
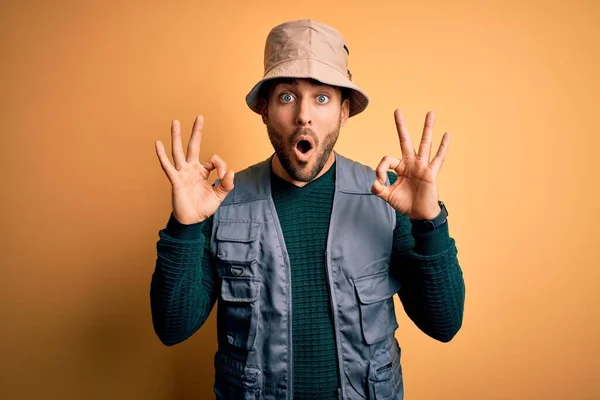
225 185
380 190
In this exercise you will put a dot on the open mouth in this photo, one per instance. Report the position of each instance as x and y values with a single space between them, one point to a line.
304 146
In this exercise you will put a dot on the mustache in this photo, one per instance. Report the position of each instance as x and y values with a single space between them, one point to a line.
303 132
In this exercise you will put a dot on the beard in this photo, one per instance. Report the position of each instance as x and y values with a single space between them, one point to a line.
298 170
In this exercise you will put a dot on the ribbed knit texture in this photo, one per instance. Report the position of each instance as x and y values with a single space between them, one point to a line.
432 288
304 215
184 289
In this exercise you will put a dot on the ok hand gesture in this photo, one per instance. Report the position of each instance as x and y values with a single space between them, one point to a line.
193 198
415 192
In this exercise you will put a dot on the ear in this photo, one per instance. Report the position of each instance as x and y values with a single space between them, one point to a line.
264 108
345 111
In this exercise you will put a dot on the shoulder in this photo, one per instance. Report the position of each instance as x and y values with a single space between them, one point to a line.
356 168
251 183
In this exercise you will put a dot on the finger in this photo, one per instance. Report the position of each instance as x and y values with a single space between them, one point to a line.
440 155
406 145
164 160
176 147
386 163
380 190
193 149
225 185
216 162
426 139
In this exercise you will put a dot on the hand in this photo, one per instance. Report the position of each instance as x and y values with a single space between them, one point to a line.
415 191
194 199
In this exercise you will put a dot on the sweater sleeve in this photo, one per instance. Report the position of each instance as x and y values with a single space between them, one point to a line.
182 290
432 288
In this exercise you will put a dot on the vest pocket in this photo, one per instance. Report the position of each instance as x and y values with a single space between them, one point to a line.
385 376
376 302
237 241
241 314
235 380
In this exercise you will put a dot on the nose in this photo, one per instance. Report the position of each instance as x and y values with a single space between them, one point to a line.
303 112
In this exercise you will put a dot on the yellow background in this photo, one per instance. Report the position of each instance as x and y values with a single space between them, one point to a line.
88 86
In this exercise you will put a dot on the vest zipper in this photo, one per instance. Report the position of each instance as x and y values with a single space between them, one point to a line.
291 343
335 319
332 301
285 255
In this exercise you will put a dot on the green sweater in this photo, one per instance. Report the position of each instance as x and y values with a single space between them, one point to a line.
184 289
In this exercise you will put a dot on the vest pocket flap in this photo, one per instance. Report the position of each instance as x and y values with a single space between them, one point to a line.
385 377
236 380
380 367
245 375
240 289
238 231
373 288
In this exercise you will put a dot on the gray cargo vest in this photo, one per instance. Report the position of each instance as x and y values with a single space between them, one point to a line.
254 313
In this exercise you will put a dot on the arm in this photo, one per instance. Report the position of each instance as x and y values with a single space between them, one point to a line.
182 291
432 287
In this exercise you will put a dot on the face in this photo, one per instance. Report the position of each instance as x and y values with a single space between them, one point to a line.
303 119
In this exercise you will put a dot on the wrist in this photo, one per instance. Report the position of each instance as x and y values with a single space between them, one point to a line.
179 230
429 224
429 214
186 221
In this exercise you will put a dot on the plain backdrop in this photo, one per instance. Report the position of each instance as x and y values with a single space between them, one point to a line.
88 86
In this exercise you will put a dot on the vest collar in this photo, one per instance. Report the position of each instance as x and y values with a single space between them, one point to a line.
255 181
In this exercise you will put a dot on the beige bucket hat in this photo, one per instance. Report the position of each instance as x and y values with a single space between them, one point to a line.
308 49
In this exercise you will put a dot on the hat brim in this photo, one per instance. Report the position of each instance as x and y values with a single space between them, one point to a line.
311 68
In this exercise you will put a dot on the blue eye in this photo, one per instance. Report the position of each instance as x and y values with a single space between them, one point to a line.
322 99
286 97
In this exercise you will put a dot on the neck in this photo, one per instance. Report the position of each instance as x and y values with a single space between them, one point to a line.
282 173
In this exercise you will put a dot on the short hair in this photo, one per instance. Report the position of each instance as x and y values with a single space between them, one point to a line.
267 87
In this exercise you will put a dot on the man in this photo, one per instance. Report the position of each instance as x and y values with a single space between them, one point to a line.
305 250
